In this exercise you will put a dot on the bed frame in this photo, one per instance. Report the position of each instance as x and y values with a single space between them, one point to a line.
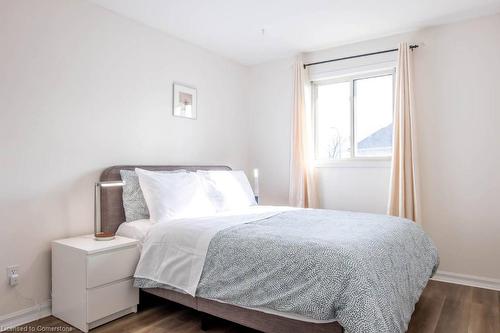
113 214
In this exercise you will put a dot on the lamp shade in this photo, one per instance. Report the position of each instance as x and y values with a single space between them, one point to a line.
116 183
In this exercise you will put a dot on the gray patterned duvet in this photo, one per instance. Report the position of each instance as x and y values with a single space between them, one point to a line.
366 271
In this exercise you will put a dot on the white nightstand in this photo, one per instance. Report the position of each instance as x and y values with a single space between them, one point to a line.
92 280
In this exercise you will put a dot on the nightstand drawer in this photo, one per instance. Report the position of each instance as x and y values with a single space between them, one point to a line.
109 299
111 266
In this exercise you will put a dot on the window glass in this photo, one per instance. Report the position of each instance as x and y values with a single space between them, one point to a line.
373 114
333 121
354 118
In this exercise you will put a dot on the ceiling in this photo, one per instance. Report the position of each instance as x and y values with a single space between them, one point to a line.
255 31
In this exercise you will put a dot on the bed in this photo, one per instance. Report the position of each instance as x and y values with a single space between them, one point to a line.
267 321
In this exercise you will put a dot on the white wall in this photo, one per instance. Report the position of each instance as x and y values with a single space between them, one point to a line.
82 89
270 97
359 188
457 83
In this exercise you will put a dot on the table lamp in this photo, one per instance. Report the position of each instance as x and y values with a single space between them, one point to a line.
256 184
98 234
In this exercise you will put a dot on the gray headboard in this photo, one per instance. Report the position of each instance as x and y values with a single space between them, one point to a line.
112 212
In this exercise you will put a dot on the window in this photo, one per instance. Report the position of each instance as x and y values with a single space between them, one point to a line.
353 117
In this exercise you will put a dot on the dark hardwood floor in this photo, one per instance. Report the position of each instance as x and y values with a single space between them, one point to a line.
443 308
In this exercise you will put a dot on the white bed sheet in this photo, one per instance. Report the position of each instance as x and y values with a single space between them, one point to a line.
135 229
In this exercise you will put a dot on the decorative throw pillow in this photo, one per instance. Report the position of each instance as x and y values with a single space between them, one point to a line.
133 199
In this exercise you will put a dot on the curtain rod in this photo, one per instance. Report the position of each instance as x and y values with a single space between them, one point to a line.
356 56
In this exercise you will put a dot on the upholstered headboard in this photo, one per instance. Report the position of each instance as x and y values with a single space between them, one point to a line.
112 212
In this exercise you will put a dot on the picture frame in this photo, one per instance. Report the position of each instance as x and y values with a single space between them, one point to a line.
184 101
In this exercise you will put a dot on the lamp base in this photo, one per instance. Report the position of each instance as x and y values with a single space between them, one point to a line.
104 236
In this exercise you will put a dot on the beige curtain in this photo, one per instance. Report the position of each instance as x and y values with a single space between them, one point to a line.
302 178
403 196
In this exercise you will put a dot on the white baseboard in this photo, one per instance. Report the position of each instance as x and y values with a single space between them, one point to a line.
467 280
25 316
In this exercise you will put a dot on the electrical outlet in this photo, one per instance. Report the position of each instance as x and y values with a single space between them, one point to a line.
13 274
14 280
12 270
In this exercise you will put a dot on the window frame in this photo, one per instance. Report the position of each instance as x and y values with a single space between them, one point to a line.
341 79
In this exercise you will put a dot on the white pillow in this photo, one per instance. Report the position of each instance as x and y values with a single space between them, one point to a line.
174 195
228 190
